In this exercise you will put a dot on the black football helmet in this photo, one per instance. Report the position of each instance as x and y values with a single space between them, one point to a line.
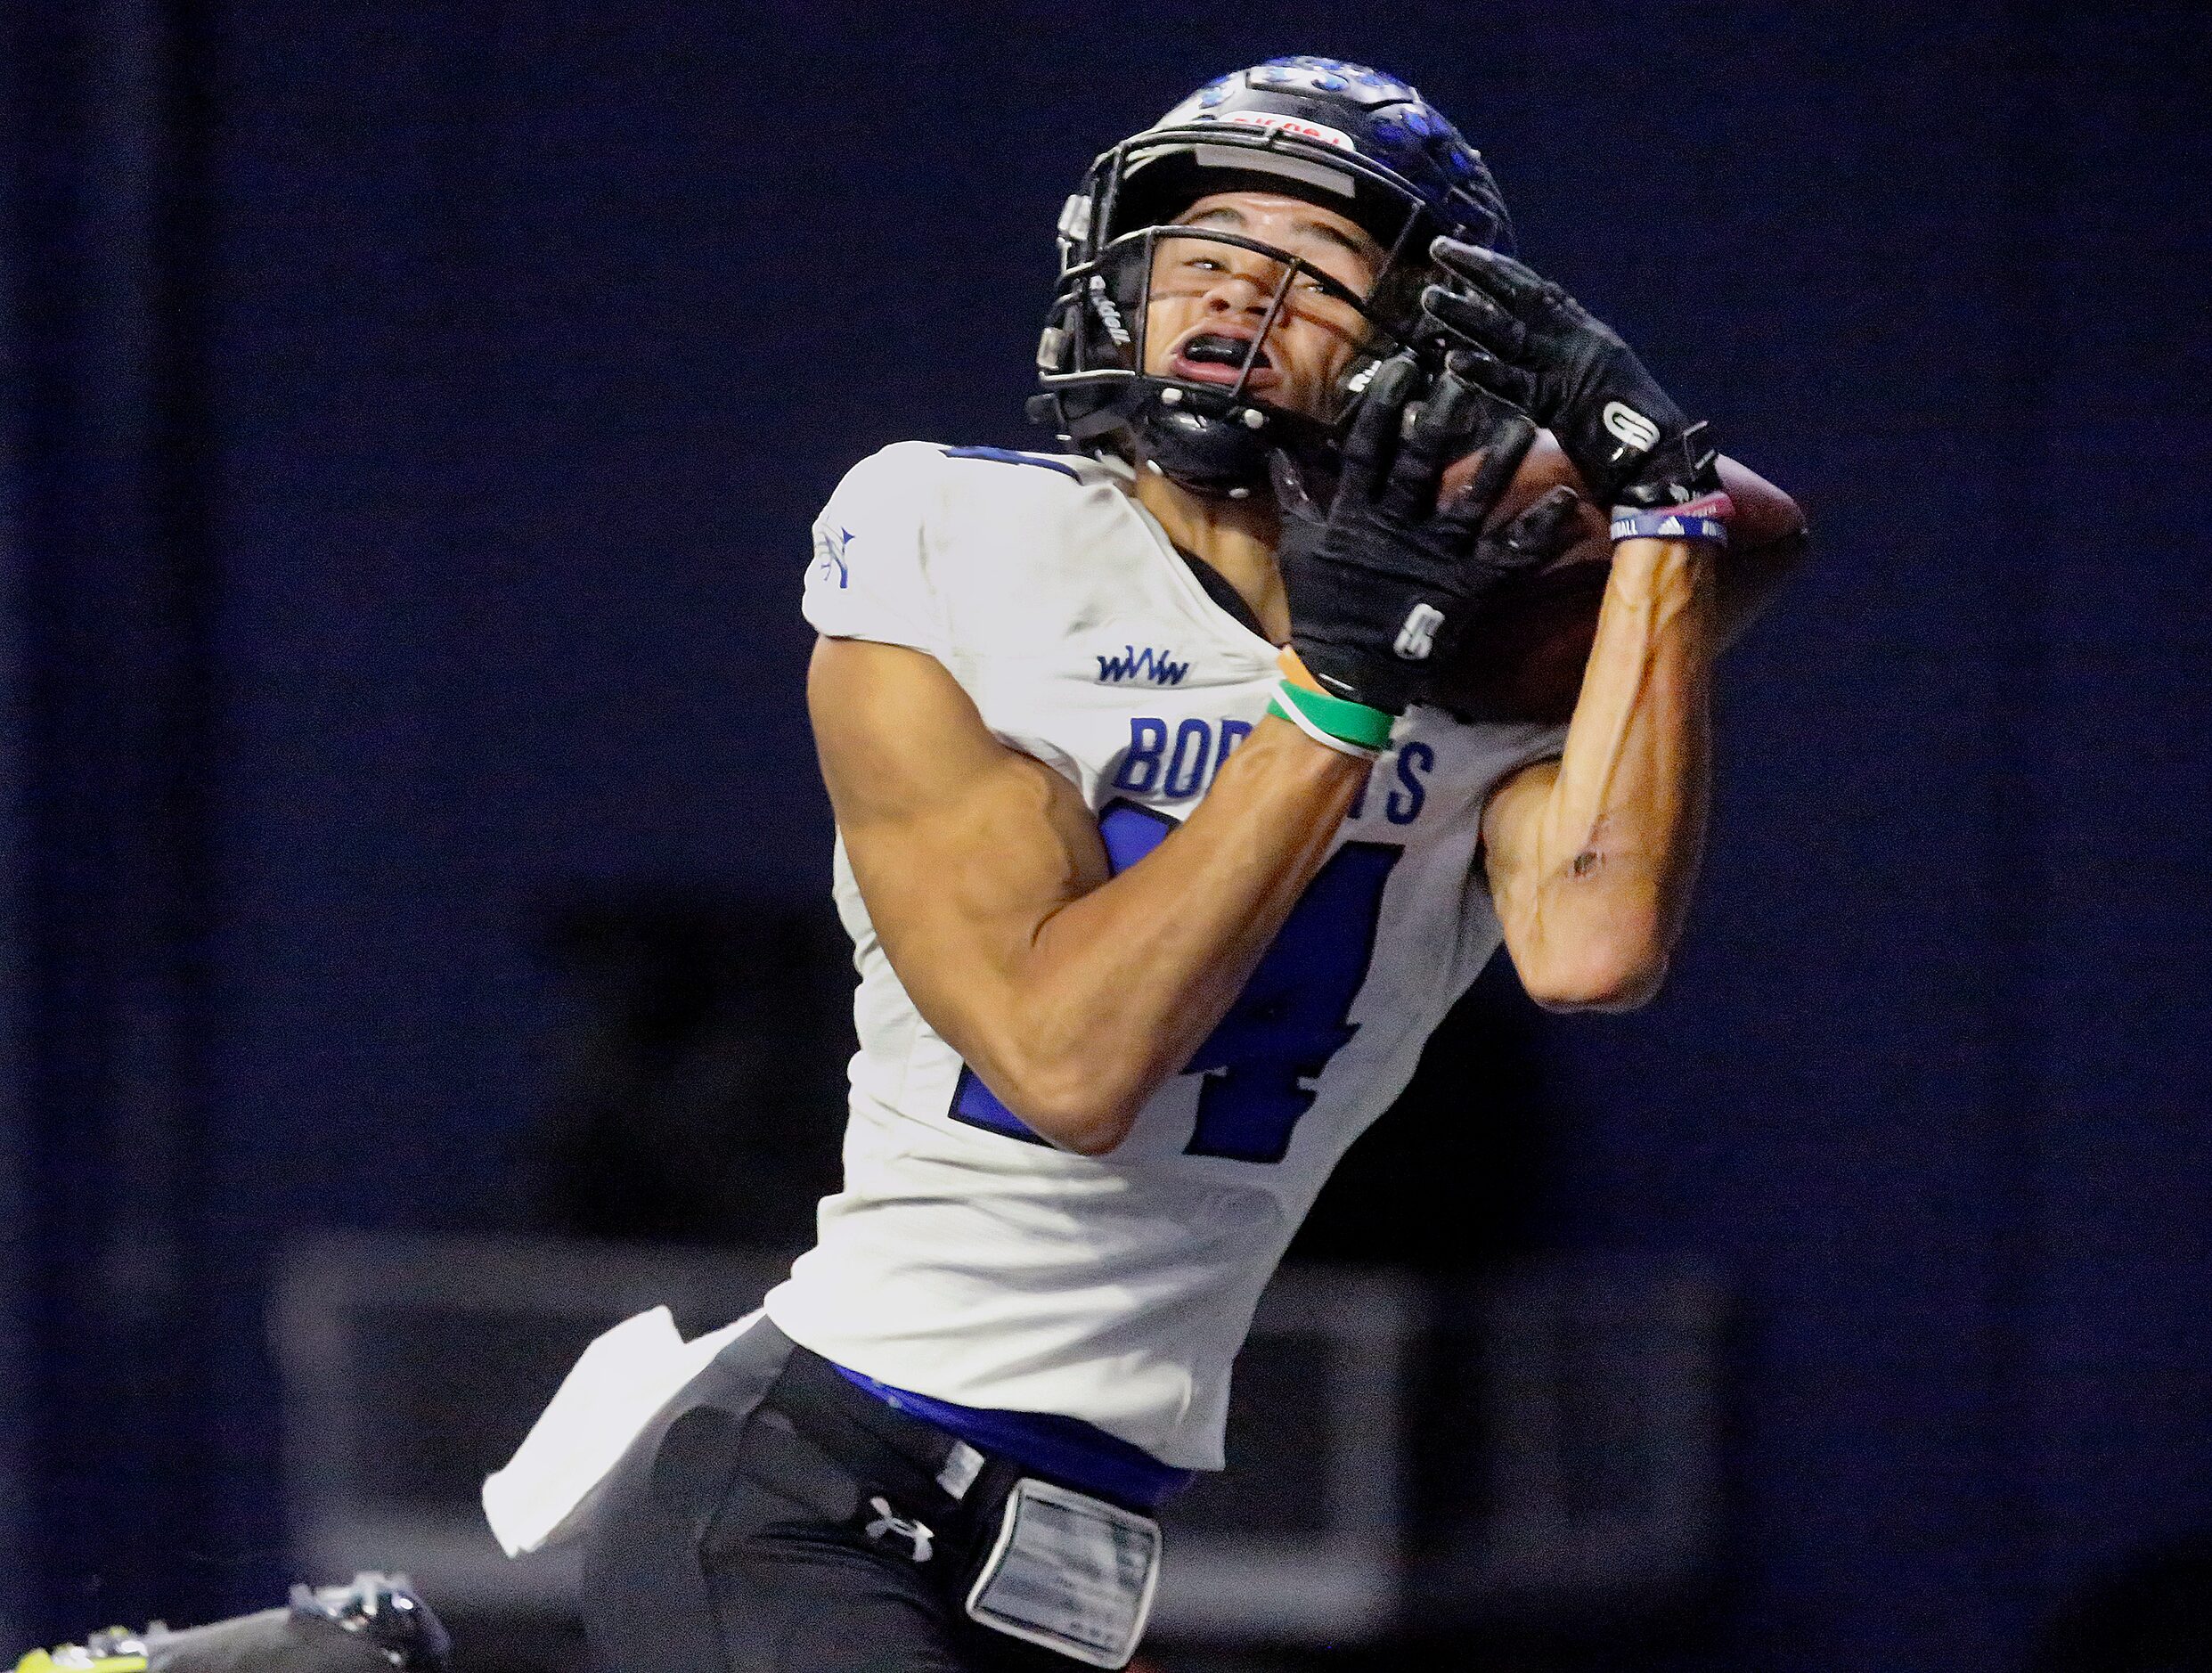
1347 137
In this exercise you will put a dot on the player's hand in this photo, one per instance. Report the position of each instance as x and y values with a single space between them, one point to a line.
1382 588
1525 339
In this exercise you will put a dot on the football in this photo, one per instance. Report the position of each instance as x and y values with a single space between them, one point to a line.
1524 658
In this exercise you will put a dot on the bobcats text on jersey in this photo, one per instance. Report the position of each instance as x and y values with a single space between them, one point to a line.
1179 770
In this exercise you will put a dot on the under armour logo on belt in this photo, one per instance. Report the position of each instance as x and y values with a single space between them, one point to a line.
889 1522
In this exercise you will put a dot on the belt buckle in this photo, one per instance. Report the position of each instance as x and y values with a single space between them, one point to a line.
1069 1571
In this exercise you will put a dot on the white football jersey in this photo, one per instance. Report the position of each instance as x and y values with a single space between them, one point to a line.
968 1260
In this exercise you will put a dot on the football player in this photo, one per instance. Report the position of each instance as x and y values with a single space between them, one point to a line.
1162 854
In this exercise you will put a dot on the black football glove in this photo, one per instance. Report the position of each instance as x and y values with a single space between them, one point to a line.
1384 587
1530 343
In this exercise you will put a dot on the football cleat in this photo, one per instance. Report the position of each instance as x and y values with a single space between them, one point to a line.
375 1623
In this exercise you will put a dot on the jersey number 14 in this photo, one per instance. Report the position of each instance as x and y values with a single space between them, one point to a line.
1293 1016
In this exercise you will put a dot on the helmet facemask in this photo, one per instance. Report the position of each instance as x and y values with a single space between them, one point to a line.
1218 436
1213 435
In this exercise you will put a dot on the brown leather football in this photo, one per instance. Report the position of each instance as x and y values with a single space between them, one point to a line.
1524 659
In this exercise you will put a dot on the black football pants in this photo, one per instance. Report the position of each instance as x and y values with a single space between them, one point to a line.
735 1535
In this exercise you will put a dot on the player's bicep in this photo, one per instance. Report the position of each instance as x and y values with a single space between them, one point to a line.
962 848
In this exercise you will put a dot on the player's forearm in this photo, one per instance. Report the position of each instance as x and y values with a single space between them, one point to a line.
1118 987
1622 830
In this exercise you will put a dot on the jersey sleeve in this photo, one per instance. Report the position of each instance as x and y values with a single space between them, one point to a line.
1525 745
868 576
1512 746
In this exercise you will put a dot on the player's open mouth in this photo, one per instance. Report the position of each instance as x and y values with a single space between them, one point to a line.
1219 357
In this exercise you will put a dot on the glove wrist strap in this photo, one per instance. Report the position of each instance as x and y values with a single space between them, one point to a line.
1338 722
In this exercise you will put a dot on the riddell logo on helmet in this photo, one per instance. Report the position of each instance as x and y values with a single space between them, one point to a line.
1296 126
1108 315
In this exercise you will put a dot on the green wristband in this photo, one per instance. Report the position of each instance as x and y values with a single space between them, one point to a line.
1340 717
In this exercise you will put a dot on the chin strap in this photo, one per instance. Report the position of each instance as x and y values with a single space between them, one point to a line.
1194 435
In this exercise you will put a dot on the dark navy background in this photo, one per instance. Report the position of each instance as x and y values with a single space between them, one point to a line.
413 417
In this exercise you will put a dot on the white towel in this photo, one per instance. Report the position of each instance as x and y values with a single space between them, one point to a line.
617 1388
